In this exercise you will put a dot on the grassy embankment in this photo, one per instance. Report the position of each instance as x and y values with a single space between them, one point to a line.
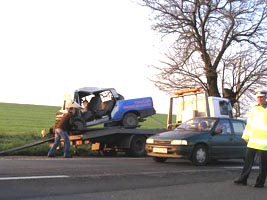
21 124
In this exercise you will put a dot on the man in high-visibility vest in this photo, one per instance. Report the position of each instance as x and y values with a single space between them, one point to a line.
255 134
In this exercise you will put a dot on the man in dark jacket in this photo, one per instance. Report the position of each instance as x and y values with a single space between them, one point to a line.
62 128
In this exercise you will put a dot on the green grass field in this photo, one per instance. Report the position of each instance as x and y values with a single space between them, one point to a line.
21 124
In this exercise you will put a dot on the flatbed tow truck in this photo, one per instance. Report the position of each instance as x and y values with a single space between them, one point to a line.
120 117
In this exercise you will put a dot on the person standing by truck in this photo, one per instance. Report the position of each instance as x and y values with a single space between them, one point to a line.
255 134
62 128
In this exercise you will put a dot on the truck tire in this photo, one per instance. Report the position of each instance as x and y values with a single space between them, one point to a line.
200 156
137 148
130 120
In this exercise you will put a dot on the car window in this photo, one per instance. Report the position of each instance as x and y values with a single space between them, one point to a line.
223 107
198 124
224 125
238 127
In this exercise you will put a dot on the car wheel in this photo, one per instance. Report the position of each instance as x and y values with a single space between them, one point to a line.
159 159
130 120
200 155
137 148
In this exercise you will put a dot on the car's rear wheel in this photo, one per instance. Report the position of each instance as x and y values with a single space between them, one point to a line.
130 120
200 155
159 159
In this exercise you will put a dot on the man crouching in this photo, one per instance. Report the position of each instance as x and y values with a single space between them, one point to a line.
62 129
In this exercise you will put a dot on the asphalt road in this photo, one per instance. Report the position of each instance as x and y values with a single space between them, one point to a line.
121 178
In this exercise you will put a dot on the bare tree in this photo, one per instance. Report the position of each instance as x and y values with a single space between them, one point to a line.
240 74
215 41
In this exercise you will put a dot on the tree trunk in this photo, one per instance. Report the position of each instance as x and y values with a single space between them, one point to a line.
212 84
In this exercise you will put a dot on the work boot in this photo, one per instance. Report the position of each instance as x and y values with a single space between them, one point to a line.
240 182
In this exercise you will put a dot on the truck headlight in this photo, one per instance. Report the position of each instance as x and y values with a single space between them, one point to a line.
179 142
149 141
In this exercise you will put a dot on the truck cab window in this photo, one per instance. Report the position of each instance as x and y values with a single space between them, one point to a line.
224 108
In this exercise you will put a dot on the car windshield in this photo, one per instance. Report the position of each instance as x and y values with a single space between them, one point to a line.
197 124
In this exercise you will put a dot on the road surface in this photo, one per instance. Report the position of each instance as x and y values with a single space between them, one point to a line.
121 178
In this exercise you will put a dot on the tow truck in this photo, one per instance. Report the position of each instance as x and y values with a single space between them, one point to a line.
187 104
195 102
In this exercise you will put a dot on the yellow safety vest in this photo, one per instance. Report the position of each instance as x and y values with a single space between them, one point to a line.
256 129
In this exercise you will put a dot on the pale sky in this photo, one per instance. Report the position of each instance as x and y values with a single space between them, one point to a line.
52 47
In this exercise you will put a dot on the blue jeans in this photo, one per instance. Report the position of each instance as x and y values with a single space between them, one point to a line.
59 133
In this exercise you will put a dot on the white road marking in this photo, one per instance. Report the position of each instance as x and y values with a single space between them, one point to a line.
240 167
32 177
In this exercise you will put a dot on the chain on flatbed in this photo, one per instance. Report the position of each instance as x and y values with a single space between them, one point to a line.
27 146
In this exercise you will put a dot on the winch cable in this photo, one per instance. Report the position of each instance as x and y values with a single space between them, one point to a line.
27 145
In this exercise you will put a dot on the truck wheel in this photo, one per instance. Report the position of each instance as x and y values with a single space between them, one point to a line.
137 148
159 159
200 155
130 120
